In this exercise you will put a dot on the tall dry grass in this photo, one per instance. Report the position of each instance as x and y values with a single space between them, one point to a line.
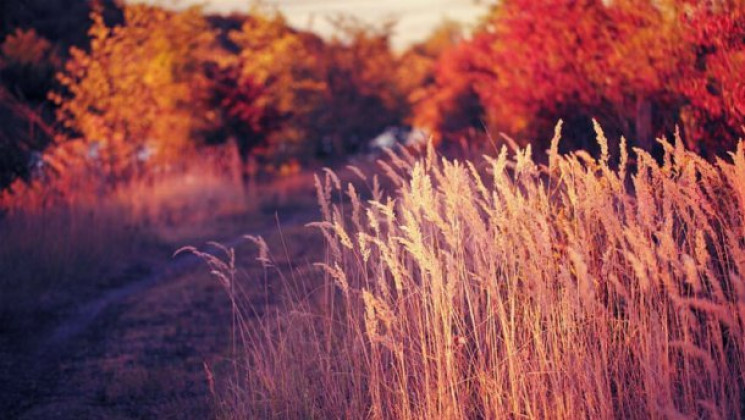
508 289
63 246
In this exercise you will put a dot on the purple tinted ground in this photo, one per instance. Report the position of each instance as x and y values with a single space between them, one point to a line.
139 350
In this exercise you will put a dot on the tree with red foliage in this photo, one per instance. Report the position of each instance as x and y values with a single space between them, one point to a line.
640 67
529 65
449 108
540 53
244 115
714 87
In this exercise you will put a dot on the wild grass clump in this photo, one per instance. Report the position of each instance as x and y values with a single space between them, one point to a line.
508 289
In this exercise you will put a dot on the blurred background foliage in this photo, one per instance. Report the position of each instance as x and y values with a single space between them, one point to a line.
640 67
112 90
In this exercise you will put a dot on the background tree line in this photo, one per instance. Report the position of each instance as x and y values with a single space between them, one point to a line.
116 90
642 68
149 87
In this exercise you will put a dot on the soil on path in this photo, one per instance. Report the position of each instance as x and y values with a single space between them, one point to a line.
140 350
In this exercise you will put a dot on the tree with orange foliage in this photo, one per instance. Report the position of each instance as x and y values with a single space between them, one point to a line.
440 100
643 55
286 66
525 67
329 97
416 67
135 97
449 108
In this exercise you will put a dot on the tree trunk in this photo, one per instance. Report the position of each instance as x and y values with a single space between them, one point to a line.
644 135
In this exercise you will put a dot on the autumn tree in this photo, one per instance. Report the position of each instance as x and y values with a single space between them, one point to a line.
713 87
135 96
27 65
416 67
63 22
640 67
525 67
436 78
531 63
329 97
244 115
362 97
285 65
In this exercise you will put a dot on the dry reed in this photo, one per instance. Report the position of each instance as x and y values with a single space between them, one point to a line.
508 289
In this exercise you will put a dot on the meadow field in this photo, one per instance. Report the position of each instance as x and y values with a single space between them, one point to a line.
540 214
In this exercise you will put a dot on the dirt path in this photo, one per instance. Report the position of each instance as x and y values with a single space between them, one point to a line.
139 351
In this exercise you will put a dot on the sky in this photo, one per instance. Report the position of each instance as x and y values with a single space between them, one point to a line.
416 18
